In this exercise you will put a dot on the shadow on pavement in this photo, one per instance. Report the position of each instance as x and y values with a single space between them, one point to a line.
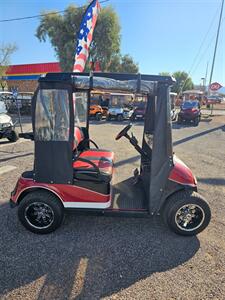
175 125
5 142
88 257
15 156
186 139
125 122
127 161
213 181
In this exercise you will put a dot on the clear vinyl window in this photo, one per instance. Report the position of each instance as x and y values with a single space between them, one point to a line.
80 109
52 115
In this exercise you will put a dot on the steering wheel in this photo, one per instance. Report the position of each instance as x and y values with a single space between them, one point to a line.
123 132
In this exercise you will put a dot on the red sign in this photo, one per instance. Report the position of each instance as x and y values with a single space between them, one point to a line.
215 86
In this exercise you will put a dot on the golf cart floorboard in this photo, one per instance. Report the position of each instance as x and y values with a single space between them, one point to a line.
128 196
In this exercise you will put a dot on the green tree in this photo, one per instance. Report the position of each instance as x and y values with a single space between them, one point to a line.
183 81
105 47
123 64
6 50
61 31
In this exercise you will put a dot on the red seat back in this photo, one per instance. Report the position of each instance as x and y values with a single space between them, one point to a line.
78 137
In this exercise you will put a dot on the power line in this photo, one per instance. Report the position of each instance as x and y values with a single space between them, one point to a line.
43 15
191 71
32 17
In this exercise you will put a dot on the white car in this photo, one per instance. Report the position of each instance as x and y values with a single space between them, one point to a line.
119 113
7 128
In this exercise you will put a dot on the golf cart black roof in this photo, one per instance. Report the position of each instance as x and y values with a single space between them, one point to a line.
137 83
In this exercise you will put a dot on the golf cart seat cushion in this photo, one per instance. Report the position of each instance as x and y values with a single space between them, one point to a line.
98 154
85 171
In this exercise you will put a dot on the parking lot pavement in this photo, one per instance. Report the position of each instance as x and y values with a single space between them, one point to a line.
119 258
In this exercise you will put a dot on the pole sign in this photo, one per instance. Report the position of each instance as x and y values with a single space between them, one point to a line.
215 86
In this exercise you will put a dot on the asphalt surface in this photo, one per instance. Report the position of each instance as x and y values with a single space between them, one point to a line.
118 258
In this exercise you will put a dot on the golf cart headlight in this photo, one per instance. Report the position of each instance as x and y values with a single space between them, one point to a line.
5 125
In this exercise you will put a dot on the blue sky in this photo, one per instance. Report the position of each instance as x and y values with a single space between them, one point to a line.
161 35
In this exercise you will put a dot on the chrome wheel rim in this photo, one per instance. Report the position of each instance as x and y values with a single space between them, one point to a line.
189 217
39 215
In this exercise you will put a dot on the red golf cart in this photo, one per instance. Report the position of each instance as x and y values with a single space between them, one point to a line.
70 174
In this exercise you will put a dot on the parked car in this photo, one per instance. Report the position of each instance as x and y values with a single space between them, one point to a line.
96 112
119 113
213 99
190 111
7 128
139 111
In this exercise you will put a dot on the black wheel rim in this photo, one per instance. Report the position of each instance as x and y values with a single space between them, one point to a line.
39 215
189 217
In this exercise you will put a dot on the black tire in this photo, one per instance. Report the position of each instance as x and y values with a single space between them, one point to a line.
179 120
132 118
46 200
196 121
98 117
13 137
108 118
183 204
120 118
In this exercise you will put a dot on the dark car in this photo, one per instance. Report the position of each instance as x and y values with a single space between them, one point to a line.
190 111
139 111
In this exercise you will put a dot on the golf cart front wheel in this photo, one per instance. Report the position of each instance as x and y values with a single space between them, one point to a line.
13 137
98 117
120 118
41 212
187 213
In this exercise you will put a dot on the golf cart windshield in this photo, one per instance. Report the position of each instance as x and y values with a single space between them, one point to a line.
2 107
52 115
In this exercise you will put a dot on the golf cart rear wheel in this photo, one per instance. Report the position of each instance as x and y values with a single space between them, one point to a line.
187 213
13 137
41 212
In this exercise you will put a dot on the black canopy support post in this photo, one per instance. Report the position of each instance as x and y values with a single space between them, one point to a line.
162 155
89 99
19 115
138 83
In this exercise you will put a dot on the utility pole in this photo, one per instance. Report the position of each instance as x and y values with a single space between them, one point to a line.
214 55
206 75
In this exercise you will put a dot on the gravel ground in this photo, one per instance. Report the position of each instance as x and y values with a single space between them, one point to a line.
119 258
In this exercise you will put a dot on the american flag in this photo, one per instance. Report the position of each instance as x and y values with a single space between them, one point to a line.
85 35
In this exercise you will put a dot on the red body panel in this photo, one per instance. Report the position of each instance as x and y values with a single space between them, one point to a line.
182 174
67 193
94 153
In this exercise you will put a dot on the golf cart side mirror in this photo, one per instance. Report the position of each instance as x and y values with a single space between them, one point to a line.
27 135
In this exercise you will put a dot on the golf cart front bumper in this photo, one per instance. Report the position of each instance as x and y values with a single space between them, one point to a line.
5 129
